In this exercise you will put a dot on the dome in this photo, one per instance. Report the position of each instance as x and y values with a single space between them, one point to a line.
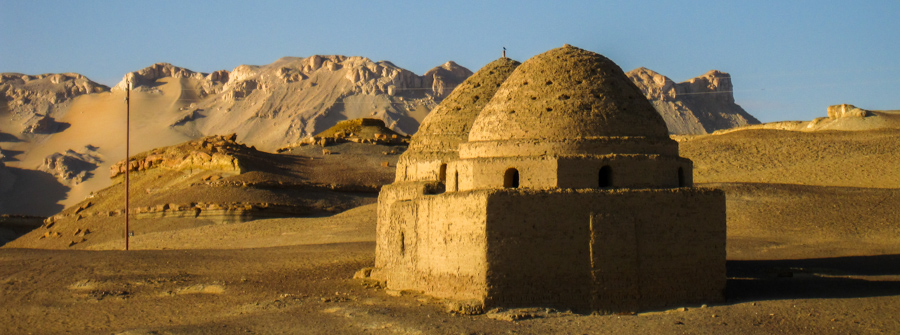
567 94
449 123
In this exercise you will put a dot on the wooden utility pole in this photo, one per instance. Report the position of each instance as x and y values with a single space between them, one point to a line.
127 151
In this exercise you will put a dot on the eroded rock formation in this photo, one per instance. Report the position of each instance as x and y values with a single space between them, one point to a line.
372 131
440 77
33 101
847 110
700 105
72 167
220 153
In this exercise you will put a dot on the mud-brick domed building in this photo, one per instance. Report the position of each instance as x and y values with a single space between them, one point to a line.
552 183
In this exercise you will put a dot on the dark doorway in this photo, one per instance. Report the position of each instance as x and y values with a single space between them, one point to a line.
511 178
605 177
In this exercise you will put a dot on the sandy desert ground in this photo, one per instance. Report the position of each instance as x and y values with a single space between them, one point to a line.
813 248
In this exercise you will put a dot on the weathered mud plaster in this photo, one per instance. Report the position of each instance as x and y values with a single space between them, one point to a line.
562 190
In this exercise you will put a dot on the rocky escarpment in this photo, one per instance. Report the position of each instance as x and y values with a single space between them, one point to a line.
220 153
32 102
146 78
273 105
700 105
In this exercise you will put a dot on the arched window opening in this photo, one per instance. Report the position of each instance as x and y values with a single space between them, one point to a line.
511 178
442 173
681 181
605 179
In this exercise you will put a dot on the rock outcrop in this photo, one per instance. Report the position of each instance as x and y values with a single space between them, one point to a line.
698 106
32 101
371 131
219 153
846 110
43 124
72 167
449 73
146 78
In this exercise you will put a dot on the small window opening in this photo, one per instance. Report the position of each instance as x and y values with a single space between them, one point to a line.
402 243
605 179
456 181
681 181
511 178
442 173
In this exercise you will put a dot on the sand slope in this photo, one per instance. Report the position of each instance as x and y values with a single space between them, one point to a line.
803 194
826 158
171 202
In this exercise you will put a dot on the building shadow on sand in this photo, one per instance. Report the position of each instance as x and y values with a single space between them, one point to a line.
817 278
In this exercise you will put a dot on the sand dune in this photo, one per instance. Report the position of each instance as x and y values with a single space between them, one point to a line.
825 158
804 194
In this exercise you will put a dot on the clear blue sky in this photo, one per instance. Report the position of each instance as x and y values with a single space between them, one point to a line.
789 59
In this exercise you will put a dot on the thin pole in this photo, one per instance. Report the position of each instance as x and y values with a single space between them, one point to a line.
127 152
